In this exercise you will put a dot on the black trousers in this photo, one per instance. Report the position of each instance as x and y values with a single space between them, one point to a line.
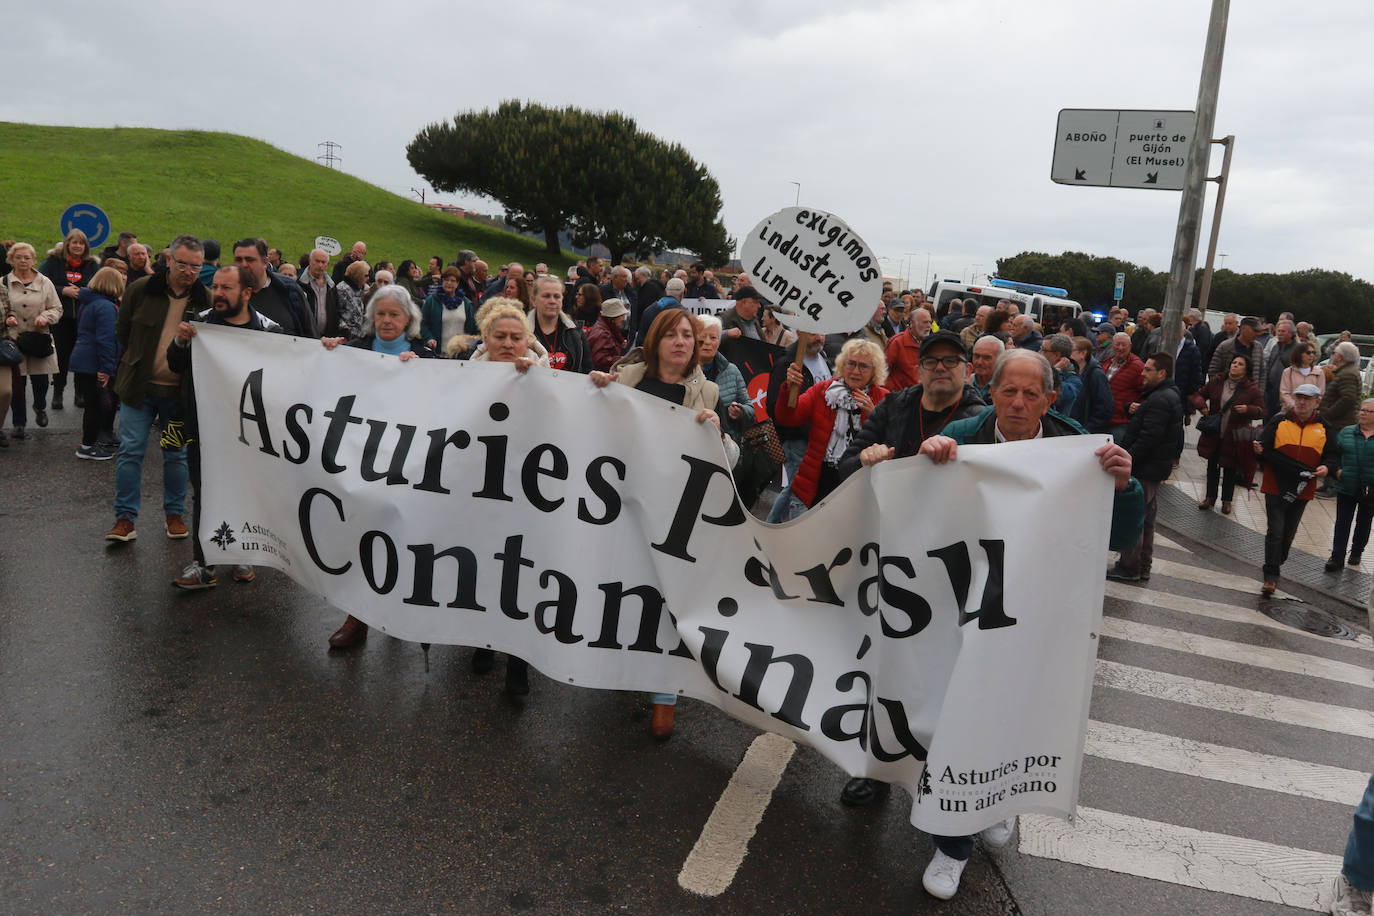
193 476
1227 477
1282 524
98 415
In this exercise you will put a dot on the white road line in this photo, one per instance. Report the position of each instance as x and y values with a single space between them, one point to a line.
1183 855
1249 584
1357 723
1225 764
1228 651
720 849
1232 613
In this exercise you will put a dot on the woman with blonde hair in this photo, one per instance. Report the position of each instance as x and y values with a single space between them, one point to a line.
70 267
31 308
835 408
94 359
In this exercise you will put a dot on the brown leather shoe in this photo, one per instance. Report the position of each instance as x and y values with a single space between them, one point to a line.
123 530
662 725
352 633
176 528
1268 588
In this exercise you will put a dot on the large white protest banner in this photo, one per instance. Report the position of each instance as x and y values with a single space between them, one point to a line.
919 614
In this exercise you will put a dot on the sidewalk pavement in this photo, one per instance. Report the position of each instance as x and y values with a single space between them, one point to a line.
1241 534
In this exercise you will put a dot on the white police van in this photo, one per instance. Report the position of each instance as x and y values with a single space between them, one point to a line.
1048 305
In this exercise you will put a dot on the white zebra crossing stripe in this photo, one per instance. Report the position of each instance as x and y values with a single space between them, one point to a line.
1226 650
1288 710
1225 764
1249 584
713 861
1232 613
1183 855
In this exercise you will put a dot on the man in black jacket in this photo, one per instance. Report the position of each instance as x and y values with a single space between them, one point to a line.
1152 439
229 294
278 297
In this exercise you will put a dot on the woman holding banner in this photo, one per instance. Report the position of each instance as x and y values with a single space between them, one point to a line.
391 326
668 367
506 338
836 409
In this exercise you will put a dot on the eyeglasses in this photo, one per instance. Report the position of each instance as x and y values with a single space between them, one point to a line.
182 265
931 362
860 366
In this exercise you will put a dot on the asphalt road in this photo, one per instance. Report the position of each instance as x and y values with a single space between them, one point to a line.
166 752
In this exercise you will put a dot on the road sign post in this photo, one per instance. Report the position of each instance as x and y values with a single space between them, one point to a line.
1120 287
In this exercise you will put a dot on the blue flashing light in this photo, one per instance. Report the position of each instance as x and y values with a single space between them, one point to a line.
1029 288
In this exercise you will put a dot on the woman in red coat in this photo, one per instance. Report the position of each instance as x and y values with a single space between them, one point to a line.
836 408
1230 453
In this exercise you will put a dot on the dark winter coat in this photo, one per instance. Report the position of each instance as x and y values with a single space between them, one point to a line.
1236 448
1153 434
55 269
896 422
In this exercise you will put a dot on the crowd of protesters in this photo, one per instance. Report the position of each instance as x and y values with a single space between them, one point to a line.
915 379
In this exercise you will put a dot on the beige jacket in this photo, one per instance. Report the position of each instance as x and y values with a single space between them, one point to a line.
26 304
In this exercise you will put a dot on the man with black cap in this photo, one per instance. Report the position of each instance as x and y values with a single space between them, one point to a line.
895 429
742 320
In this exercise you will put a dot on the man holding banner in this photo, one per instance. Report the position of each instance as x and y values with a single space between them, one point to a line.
1022 384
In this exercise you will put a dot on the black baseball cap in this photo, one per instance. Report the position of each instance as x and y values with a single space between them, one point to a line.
945 337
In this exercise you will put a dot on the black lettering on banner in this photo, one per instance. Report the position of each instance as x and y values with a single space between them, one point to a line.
394 474
650 614
494 476
252 389
308 531
798 686
511 560
422 592
434 458
296 431
916 608
564 606
675 543
367 554
603 489
832 720
533 469
818 577
340 418
991 613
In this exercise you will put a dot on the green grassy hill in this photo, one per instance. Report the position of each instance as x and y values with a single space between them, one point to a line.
160 183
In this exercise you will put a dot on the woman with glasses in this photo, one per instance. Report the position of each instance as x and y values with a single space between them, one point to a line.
836 409
1301 369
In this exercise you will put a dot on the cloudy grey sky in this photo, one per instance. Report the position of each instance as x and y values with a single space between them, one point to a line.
927 124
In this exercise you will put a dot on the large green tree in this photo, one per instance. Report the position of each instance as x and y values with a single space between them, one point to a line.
595 174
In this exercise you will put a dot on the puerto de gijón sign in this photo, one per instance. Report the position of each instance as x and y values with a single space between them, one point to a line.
1116 148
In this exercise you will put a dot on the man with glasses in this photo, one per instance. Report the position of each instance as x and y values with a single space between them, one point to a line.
895 429
149 391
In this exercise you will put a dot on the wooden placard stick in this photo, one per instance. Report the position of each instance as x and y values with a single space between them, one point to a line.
794 390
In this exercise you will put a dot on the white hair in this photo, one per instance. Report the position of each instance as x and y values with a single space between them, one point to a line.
401 296
710 321
1349 352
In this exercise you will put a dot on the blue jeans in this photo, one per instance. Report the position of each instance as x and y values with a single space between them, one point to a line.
1359 848
134 424
793 451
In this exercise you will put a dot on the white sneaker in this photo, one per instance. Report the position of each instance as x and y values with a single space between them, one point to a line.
941 879
999 834
1349 901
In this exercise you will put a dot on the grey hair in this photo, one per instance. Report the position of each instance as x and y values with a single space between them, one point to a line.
402 298
1349 352
189 242
620 271
1000 346
1011 356
708 321
1060 343
643 271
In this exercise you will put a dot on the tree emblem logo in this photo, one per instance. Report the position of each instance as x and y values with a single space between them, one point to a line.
923 786
224 536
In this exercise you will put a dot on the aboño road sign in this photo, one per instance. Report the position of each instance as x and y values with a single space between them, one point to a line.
1116 148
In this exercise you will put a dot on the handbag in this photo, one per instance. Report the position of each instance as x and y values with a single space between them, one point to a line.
763 437
9 353
1210 425
35 344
